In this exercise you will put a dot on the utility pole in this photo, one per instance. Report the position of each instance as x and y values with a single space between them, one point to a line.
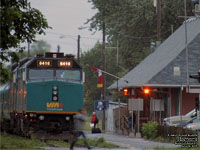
28 53
78 49
158 20
119 113
186 47
117 66
58 48
104 68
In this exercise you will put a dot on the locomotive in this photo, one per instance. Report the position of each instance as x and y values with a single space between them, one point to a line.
44 94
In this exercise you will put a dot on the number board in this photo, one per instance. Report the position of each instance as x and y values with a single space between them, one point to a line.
65 63
44 63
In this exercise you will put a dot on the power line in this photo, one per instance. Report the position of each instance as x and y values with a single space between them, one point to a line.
72 36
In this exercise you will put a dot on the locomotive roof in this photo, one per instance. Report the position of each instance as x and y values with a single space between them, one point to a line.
24 63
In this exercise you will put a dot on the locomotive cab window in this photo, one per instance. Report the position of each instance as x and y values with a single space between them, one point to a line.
38 74
68 74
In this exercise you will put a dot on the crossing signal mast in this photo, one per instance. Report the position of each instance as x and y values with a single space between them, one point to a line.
197 99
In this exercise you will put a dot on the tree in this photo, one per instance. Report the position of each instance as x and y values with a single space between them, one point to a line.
134 24
36 48
91 92
42 46
19 23
92 57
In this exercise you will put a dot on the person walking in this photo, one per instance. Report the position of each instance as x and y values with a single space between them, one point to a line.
79 122
94 119
131 120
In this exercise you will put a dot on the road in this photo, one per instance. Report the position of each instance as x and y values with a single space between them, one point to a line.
126 142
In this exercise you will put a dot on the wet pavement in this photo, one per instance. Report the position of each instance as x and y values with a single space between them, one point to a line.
125 142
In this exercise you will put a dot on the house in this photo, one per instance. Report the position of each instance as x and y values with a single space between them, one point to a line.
110 115
165 73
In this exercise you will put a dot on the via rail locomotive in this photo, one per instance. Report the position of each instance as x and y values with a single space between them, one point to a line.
44 94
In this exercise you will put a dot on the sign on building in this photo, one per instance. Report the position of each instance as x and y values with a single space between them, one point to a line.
156 105
135 104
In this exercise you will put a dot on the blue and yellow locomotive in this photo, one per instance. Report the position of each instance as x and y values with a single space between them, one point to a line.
45 93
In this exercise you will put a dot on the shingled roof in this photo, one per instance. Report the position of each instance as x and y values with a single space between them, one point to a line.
157 69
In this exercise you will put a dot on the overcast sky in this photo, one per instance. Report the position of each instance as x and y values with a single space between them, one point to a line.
65 17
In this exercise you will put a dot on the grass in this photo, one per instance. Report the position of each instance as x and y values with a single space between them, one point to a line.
19 143
98 142
11 142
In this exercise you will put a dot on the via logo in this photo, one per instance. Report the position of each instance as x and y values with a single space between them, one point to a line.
54 105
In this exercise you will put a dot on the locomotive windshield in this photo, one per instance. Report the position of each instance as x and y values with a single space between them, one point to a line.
48 74
68 74
41 74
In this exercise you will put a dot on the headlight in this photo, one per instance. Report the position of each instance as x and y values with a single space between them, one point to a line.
55 98
55 88
55 92
41 117
67 118
32 115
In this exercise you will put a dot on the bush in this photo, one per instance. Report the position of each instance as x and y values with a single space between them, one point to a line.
150 130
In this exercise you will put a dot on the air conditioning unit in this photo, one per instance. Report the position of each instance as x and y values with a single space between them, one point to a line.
197 7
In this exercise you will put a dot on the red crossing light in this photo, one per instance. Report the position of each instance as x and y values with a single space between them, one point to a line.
146 91
125 91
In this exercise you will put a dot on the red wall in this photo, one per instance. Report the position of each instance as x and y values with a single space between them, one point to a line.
188 101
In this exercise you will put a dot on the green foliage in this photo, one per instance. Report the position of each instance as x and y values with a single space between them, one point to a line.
93 57
150 130
97 142
40 46
91 92
19 23
134 24
162 139
37 47
4 73
15 142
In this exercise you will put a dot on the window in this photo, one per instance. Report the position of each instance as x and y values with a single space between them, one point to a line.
45 74
68 74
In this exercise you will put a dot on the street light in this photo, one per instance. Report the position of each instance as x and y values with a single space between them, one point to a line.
83 27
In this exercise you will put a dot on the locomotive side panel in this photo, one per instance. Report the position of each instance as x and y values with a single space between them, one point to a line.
5 101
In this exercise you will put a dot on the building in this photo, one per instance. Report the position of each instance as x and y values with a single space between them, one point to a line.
164 72
110 115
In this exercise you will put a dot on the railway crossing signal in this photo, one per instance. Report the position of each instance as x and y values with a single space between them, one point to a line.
125 91
146 91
